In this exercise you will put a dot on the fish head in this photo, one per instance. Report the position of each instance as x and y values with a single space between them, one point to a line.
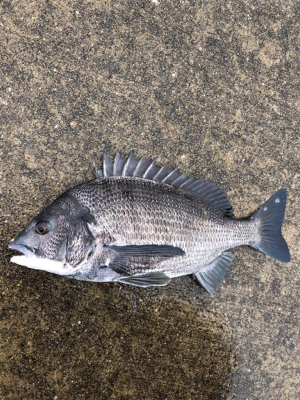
57 240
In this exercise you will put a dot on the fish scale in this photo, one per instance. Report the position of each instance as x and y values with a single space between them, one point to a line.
142 225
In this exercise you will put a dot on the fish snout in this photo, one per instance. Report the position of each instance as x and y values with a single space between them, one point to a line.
28 251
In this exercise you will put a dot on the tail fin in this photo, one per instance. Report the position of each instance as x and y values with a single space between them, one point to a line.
271 216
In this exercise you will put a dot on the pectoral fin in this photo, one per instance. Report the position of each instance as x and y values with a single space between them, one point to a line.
132 260
151 279
215 272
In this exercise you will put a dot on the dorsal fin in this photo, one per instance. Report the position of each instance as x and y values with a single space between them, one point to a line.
207 191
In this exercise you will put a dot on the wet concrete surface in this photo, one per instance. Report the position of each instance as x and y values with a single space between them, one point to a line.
210 86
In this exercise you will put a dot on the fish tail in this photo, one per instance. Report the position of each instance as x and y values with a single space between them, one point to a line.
270 215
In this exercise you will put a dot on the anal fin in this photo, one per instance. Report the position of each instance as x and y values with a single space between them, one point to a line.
215 272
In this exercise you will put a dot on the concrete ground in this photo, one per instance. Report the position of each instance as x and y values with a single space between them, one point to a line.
211 86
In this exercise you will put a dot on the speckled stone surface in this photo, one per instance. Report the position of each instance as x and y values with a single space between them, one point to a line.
211 86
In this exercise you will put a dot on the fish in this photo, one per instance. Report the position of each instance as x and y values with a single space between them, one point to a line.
140 224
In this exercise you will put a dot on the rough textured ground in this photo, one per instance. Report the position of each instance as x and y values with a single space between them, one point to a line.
211 86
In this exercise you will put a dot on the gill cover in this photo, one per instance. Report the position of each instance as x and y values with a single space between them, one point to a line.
79 239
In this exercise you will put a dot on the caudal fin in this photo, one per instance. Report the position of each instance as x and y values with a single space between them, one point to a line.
271 215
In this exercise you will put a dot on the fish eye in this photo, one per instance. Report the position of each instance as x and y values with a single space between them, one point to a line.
42 227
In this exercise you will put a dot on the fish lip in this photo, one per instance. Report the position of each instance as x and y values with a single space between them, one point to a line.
28 251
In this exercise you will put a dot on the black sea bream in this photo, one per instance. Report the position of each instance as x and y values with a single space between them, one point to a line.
142 225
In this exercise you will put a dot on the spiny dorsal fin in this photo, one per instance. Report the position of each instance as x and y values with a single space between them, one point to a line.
207 191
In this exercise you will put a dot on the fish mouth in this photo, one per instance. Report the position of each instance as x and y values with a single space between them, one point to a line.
28 251
31 260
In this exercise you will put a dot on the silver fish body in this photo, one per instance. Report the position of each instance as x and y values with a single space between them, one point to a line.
140 224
